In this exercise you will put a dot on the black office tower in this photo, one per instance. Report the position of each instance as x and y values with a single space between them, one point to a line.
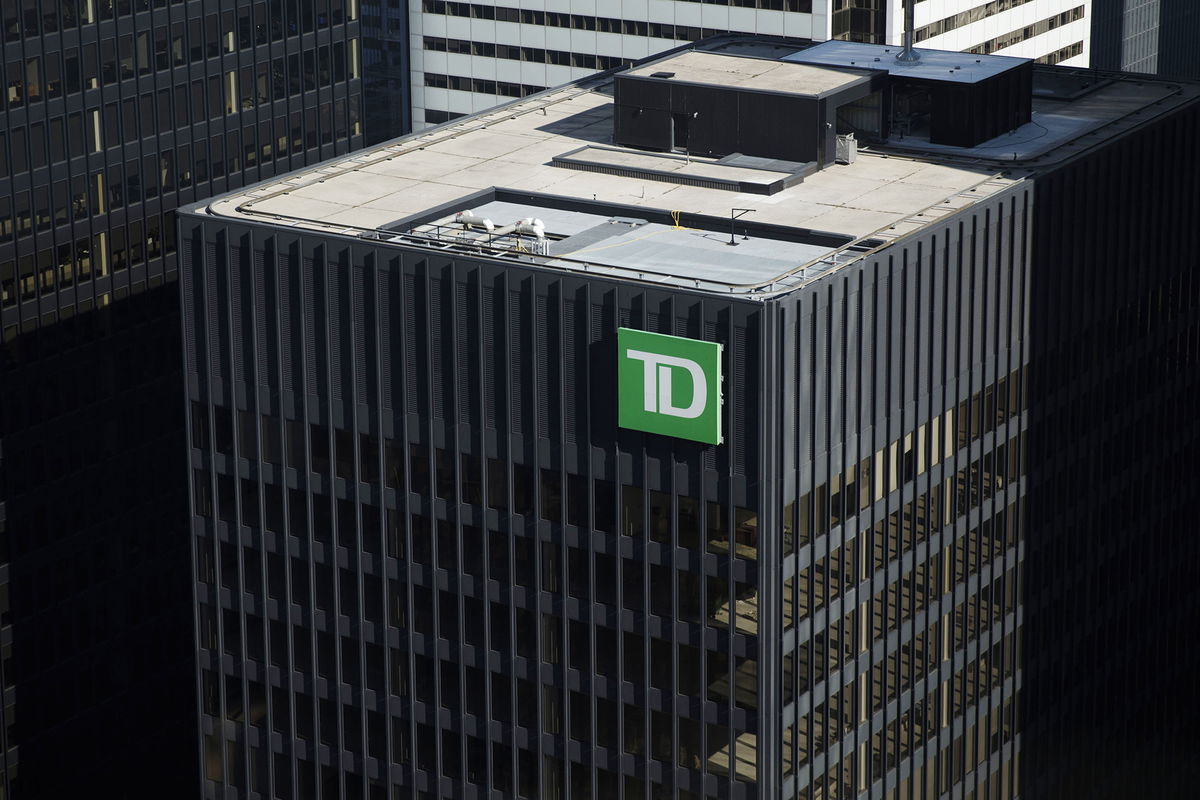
114 113
525 464
387 110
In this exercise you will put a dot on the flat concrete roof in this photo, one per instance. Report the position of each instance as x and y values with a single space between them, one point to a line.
768 75
893 189
937 65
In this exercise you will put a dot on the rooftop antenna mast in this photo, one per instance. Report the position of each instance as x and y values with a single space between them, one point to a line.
909 54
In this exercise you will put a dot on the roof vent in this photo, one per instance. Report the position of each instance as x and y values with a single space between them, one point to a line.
662 74
909 54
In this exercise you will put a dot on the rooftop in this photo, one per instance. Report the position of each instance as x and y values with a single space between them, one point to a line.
666 218
940 65
768 75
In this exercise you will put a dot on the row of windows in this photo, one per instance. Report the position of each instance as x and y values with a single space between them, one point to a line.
1029 31
1070 51
712 537
536 55
436 478
587 22
70 263
90 131
859 20
433 682
111 60
480 85
972 14
47 207
53 316
498 628
240 90
435 116
23 19
432 544
428 672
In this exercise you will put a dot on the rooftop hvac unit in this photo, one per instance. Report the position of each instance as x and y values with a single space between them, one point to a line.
847 149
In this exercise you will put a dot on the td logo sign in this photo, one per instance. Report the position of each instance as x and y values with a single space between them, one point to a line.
669 385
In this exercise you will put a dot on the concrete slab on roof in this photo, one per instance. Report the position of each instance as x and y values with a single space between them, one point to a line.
483 143
835 186
305 208
366 188
768 75
362 217
415 168
897 197
409 200
854 221
938 65
493 172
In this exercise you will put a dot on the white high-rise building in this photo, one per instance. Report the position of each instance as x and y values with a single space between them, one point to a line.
468 56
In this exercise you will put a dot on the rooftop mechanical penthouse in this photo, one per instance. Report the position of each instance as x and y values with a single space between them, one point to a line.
670 434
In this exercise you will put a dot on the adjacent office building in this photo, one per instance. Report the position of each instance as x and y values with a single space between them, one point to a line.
113 113
386 107
467 57
767 420
1153 36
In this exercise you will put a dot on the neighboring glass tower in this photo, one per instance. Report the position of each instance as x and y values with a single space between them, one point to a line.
386 85
113 113
1151 36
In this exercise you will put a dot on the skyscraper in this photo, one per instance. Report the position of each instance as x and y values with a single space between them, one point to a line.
648 438
1151 36
386 85
467 57
114 113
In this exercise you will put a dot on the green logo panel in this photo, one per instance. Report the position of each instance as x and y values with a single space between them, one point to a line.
669 385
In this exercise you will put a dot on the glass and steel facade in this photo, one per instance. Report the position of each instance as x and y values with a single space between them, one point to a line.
428 563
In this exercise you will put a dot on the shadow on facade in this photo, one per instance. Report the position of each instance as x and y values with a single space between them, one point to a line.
1111 611
98 558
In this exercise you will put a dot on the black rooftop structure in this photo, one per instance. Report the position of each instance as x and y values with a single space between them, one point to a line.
793 109
713 104
968 99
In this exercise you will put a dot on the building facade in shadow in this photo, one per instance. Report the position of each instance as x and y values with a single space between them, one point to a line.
115 112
